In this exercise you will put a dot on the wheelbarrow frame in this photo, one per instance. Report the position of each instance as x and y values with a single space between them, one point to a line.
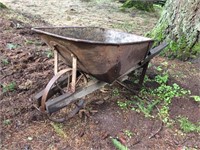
49 105
62 101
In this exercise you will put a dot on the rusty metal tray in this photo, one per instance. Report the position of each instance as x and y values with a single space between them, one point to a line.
102 53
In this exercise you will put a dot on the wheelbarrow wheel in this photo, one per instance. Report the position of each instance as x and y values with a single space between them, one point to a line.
67 112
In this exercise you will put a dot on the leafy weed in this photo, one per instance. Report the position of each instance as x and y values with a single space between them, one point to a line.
196 98
8 87
5 61
124 105
115 92
7 122
128 133
49 53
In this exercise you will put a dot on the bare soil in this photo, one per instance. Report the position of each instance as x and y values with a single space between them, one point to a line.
23 127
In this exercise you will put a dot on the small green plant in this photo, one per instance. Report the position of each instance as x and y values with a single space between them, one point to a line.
8 87
165 63
49 53
118 145
190 148
146 79
5 61
196 98
159 68
59 129
128 133
146 107
115 92
29 42
124 105
162 79
7 122
188 126
11 46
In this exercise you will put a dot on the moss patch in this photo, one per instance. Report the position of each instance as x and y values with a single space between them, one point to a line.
158 33
179 47
196 49
141 5
178 27
2 6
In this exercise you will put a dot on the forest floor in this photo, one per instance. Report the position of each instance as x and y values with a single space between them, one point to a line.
164 115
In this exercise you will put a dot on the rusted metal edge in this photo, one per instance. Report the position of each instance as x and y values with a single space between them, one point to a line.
38 30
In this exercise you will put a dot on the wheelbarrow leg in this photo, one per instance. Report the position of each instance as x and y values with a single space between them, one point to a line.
145 66
138 85
56 59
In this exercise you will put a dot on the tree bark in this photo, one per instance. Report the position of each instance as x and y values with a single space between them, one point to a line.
179 25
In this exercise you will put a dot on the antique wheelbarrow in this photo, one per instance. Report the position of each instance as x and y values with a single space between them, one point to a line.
94 57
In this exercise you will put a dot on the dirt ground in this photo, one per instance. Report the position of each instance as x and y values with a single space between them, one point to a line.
27 63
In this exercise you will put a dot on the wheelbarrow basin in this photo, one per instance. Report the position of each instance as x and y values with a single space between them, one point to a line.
102 53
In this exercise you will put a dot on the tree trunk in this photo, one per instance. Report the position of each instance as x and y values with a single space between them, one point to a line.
179 25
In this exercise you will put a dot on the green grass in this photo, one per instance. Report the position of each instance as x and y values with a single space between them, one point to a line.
187 126
58 128
143 106
125 26
103 1
29 42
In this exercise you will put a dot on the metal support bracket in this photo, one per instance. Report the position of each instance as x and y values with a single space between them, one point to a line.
74 70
